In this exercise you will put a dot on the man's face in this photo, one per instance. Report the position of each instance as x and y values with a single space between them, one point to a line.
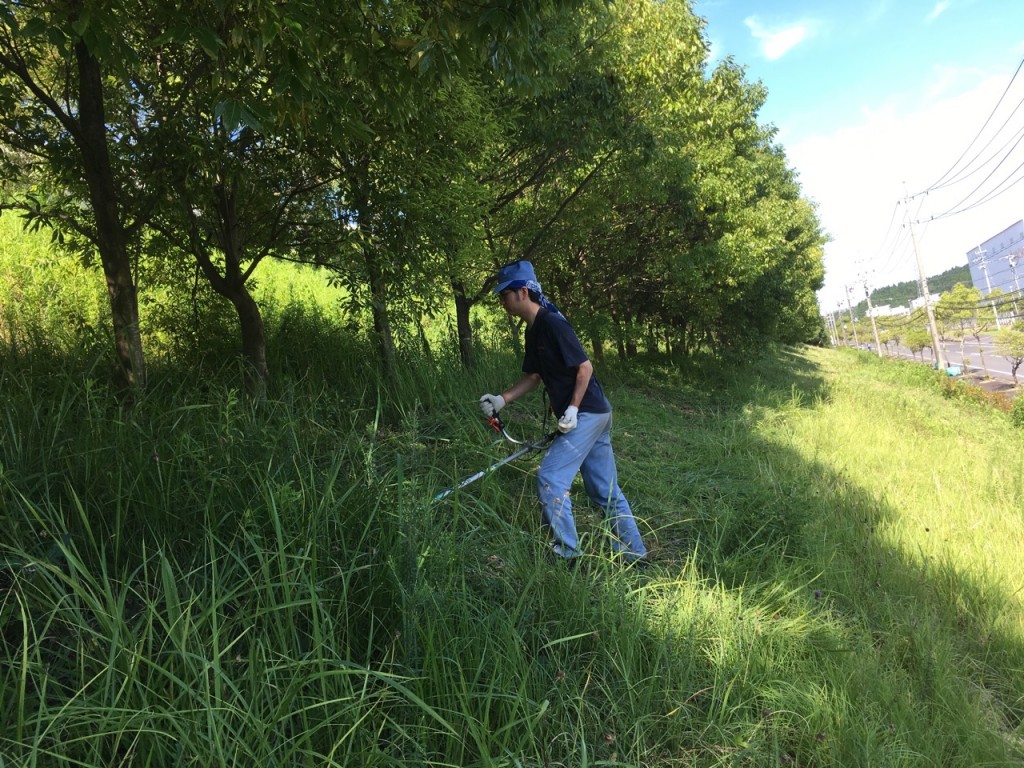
512 298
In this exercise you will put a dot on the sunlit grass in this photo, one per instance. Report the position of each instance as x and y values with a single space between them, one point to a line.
950 476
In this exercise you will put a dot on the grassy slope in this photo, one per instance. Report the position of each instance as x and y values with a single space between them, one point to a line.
897 510
837 577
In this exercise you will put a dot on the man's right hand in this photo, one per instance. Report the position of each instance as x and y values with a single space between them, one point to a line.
491 404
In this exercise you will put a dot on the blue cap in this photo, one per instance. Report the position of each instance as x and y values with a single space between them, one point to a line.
515 275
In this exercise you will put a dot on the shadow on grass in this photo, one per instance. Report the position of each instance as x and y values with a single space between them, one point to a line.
910 643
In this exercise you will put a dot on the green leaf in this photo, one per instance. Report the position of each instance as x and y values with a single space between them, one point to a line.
209 41
229 112
269 31
81 24
35 28
176 34
234 114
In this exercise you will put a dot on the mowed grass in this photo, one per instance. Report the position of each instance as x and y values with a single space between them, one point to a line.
207 581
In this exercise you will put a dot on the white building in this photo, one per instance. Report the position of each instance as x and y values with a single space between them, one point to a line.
919 301
999 261
886 311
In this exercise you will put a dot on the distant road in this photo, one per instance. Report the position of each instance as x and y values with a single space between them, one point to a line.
997 366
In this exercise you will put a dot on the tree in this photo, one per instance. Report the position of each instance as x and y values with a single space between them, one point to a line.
1009 343
419 143
61 69
299 127
981 325
695 231
917 340
226 125
546 148
638 217
237 106
886 337
956 313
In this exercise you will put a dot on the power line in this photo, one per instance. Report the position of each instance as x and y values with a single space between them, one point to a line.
888 229
952 210
942 178
992 156
1006 298
894 259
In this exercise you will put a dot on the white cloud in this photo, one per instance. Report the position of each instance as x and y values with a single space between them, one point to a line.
939 8
776 42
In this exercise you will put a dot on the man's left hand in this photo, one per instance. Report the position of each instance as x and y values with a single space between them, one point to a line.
568 421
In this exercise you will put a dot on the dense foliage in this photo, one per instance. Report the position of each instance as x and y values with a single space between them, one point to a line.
408 148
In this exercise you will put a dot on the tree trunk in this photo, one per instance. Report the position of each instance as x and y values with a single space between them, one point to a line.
250 321
424 341
651 340
514 326
111 238
631 348
462 324
231 285
597 344
620 342
254 340
381 321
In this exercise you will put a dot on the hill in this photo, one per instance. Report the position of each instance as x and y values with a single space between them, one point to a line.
901 294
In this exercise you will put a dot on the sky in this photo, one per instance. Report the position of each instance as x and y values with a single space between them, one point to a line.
901 118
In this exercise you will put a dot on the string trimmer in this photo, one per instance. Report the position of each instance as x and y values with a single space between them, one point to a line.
528 447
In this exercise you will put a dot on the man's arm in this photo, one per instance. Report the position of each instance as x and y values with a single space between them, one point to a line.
526 384
583 374
567 421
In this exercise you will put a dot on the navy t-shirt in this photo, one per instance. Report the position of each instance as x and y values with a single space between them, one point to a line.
554 352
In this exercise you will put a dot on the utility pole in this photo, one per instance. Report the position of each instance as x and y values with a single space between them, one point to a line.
871 314
982 262
1012 258
856 341
835 324
940 355
827 318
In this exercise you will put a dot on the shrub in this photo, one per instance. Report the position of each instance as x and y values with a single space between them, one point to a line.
1017 412
966 392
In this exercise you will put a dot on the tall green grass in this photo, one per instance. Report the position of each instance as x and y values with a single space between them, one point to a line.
207 580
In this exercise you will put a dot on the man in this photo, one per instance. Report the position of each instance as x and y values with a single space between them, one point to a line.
555 357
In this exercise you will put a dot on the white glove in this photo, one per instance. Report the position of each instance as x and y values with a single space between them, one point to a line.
568 421
491 404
